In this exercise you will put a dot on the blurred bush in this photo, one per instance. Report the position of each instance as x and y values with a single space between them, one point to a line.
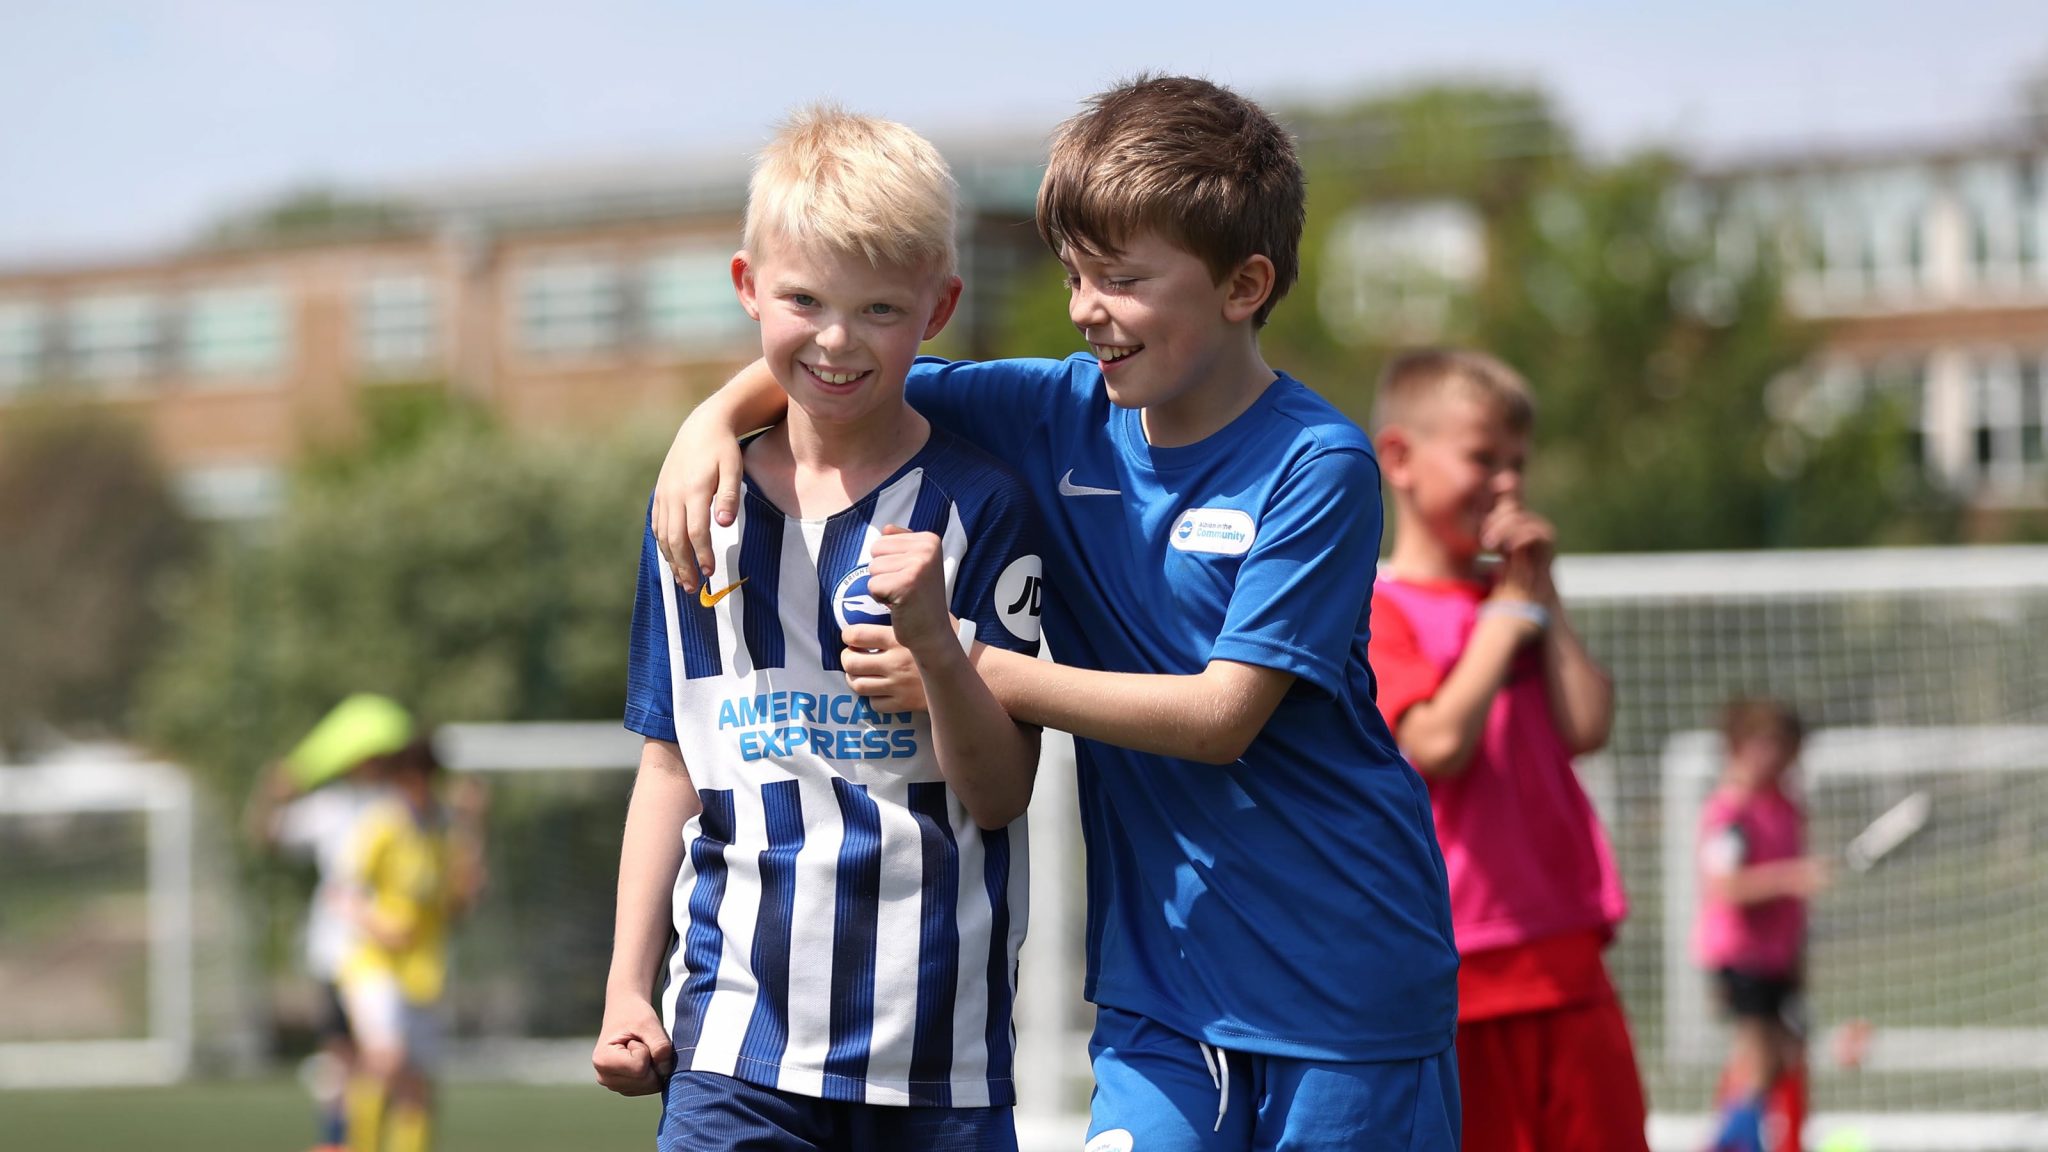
472 574
89 536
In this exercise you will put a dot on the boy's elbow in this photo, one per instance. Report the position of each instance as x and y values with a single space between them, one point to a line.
1435 755
995 815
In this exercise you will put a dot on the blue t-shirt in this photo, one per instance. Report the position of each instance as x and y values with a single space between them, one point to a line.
1294 902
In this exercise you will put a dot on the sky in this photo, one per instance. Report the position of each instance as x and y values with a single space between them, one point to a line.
129 124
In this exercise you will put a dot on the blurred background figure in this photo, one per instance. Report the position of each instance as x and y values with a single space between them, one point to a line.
310 804
1756 882
413 865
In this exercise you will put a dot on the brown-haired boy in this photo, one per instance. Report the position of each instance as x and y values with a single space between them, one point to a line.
1491 694
1268 934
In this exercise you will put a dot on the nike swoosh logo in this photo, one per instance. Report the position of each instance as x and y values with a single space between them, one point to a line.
707 598
1069 488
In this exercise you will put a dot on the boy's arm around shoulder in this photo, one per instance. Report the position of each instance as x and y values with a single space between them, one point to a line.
700 477
633 1053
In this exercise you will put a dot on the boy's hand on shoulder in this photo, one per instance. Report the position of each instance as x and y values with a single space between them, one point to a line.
699 483
906 571
880 668
633 1056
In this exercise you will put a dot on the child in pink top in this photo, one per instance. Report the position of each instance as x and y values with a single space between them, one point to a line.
1750 932
1490 694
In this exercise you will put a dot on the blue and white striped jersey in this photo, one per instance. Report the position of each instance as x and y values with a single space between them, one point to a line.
844 930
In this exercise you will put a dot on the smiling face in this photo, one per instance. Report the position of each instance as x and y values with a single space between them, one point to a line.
1451 464
839 332
1155 317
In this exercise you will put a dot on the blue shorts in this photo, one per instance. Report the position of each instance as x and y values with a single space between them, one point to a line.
1157 1090
704 1110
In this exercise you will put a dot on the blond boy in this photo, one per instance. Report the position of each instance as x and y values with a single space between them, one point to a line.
845 886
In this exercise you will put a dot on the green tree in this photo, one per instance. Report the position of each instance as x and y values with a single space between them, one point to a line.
91 534
472 575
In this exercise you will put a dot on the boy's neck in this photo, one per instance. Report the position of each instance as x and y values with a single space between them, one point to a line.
812 471
1232 384
1419 557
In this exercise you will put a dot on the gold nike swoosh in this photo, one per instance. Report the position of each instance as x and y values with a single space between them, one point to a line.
707 598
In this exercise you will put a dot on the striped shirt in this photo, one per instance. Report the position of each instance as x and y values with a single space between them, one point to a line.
844 929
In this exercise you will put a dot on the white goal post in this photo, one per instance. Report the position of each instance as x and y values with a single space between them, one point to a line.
50 799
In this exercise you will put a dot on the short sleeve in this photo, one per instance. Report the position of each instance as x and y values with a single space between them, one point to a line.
1403 675
1304 584
994 405
650 696
1001 583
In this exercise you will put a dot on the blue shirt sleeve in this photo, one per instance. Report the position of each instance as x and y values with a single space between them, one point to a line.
650 695
994 405
1305 584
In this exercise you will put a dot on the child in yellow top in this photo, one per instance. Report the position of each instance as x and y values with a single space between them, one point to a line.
414 869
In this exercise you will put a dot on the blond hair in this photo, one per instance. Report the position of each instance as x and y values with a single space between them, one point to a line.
1187 158
1412 379
853 185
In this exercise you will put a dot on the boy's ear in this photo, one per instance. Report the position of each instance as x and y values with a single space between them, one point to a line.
743 283
1246 288
1395 449
949 299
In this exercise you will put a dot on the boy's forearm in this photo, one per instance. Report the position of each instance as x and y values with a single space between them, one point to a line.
1581 692
649 858
987 759
1440 734
1211 716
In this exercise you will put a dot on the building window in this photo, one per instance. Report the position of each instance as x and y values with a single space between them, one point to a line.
397 324
21 346
235 331
114 337
689 300
1998 415
568 308
2033 386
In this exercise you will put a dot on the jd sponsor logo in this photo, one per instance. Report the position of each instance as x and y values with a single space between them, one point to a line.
1020 595
1223 531
1114 1140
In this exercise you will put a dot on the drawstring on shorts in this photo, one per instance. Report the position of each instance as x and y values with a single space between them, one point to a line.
1218 1062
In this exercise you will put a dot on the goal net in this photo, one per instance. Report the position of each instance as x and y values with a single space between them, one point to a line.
1917 672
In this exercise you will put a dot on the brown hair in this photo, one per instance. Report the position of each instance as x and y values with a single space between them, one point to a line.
1186 158
1746 717
1413 377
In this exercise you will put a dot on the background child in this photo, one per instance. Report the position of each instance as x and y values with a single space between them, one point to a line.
1750 933
1491 694
309 803
1254 842
848 885
415 865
